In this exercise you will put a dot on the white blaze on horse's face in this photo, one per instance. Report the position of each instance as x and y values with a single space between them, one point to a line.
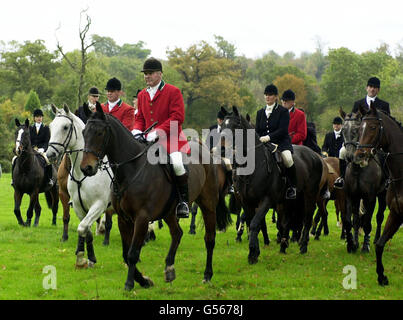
18 141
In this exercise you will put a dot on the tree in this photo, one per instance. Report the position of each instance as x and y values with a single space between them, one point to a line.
80 68
33 102
289 81
209 80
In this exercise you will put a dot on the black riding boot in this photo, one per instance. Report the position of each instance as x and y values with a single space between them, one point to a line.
339 182
182 209
230 181
291 192
49 175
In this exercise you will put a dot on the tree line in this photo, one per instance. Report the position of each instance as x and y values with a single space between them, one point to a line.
209 75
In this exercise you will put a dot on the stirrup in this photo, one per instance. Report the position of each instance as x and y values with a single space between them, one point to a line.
291 193
339 183
184 213
231 189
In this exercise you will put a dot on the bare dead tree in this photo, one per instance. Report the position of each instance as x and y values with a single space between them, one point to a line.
80 68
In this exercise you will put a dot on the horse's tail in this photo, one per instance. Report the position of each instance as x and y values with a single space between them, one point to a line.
223 215
49 199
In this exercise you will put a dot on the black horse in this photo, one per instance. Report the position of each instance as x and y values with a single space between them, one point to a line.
28 177
144 192
380 133
264 187
367 183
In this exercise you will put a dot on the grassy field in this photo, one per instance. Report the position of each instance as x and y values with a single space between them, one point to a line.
317 275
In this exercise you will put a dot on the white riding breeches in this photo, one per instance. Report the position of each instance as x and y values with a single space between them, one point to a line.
286 155
342 153
177 163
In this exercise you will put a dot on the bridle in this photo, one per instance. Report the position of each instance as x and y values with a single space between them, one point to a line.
375 145
67 140
353 143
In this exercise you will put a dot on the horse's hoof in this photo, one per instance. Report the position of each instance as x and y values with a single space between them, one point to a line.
253 259
238 239
91 264
365 249
169 274
105 243
192 232
81 262
317 238
148 283
129 286
303 250
64 239
383 281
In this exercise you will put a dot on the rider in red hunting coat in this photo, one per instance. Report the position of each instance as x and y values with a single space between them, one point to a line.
116 107
163 102
297 127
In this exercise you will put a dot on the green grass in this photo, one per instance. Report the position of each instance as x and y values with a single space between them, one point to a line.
24 252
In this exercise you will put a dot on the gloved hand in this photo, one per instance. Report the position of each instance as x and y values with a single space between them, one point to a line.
138 135
41 150
264 139
152 136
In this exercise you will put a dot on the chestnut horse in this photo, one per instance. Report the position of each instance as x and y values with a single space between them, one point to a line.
144 192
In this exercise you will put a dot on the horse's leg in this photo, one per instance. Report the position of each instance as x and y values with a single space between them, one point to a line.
240 228
90 249
392 225
32 202
81 262
65 198
38 209
325 216
139 234
209 217
366 223
108 226
380 214
176 235
255 224
55 204
192 229
347 225
17 206
316 221
309 209
356 223
263 228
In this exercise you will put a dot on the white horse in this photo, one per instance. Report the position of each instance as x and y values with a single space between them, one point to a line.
90 196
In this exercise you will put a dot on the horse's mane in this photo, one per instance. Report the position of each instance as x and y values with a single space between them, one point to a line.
99 116
392 118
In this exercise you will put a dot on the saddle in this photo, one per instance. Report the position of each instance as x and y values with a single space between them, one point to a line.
273 148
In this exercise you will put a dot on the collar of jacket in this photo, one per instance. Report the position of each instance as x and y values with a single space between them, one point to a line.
118 104
162 85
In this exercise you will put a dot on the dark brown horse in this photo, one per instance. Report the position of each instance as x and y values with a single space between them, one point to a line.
261 184
144 192
366 183
29 178
380 133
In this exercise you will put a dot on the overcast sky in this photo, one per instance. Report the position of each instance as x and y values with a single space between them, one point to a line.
253 26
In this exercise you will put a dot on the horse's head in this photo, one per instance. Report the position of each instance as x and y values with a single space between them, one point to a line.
350 133
22 137
96 137
63 133
370 136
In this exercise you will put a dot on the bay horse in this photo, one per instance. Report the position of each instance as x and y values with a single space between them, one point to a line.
28 177
361 182
264 188
90 196
320 220
380 133
143 191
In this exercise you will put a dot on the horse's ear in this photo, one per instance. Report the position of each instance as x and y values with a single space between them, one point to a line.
372 108
53 107
247 117
66 108
362 110
342 113
100 110
224 111
235 109
17 123
27 123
